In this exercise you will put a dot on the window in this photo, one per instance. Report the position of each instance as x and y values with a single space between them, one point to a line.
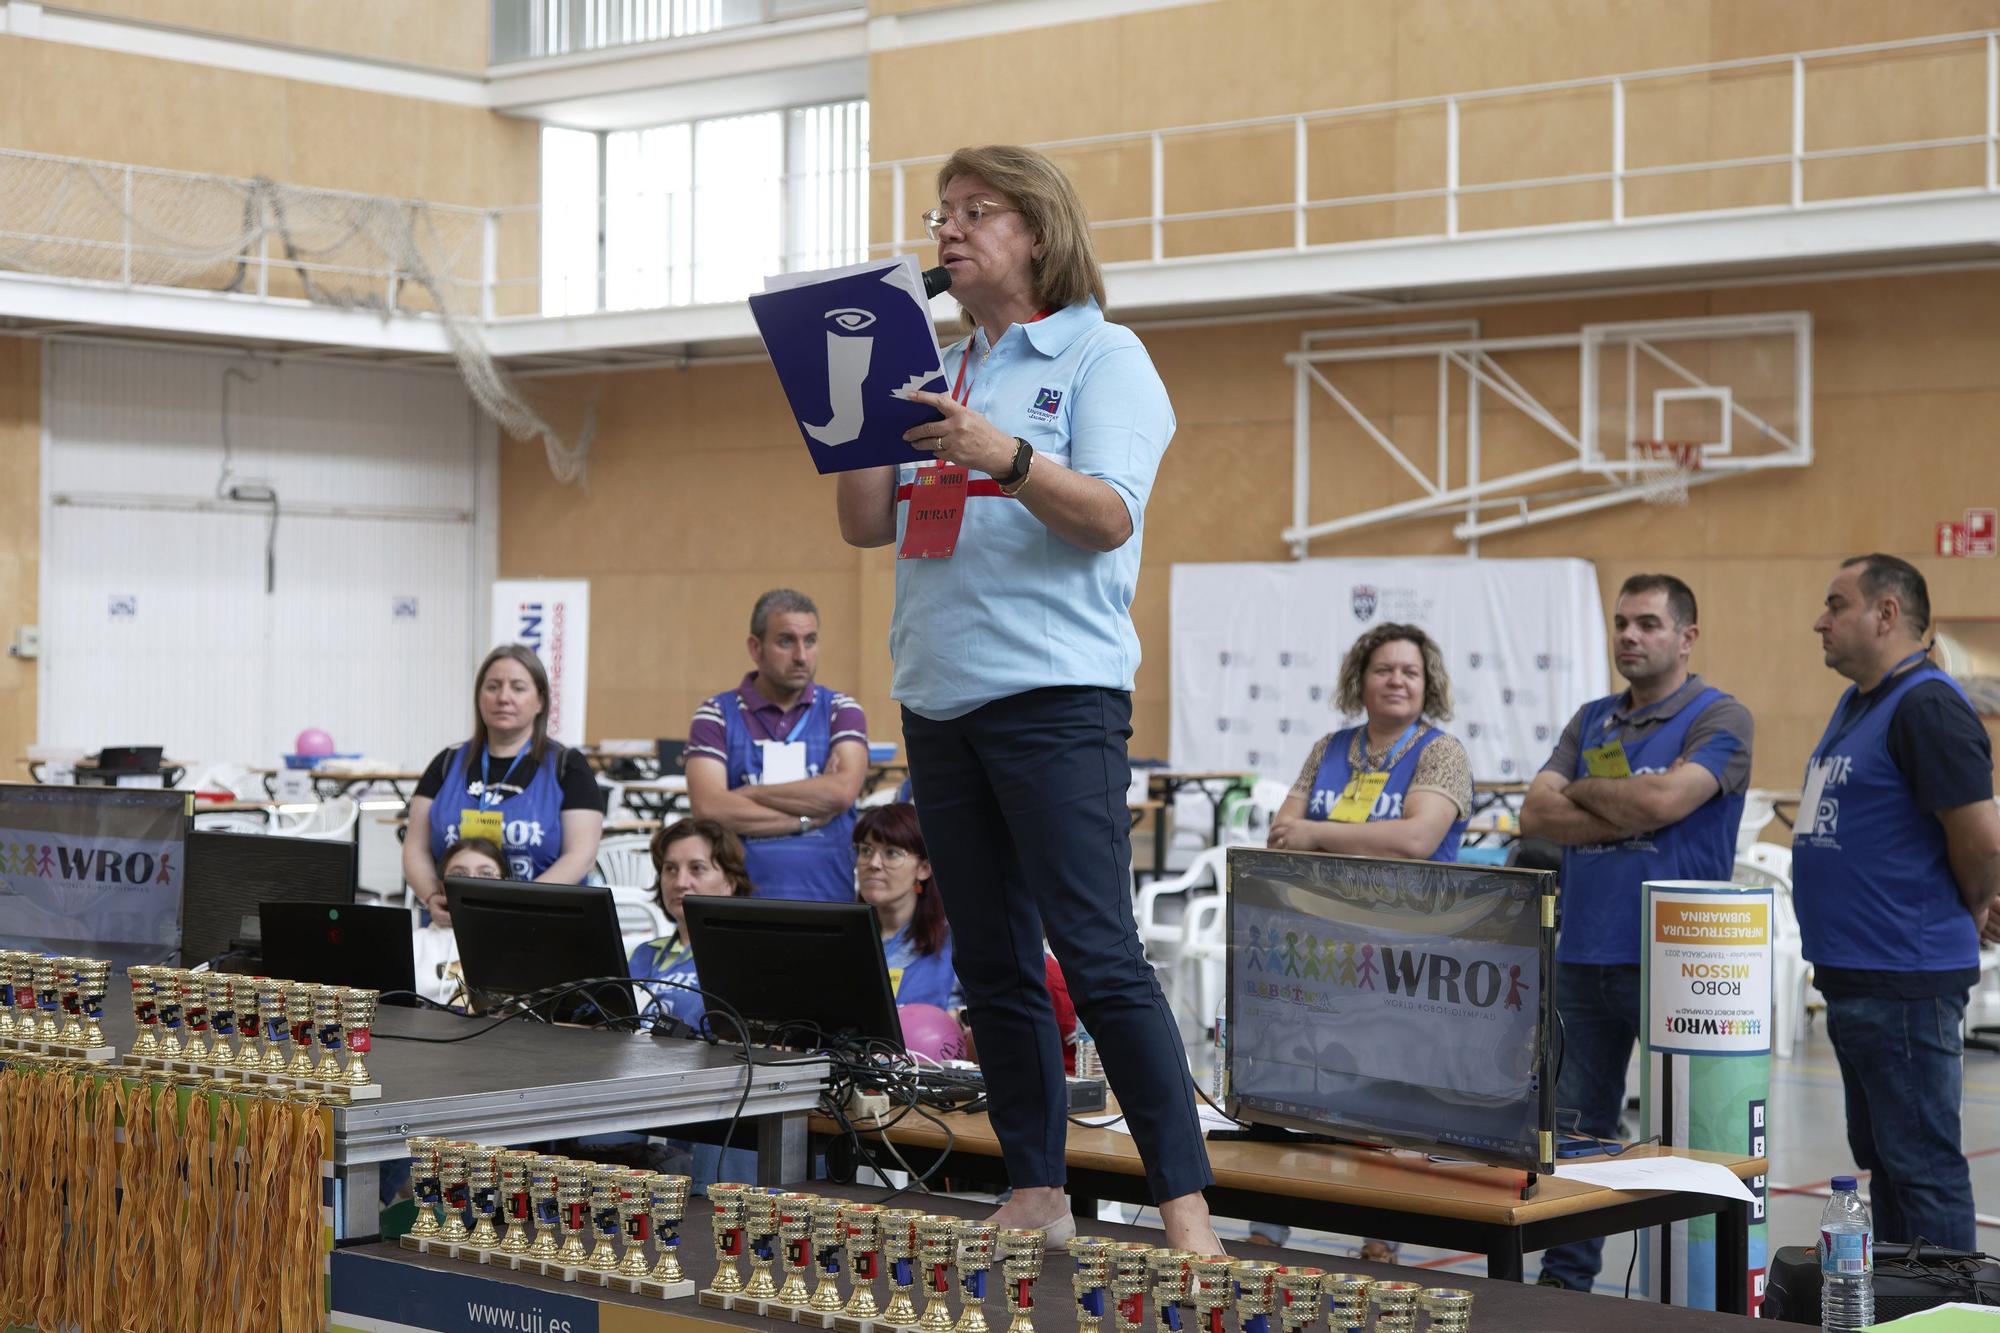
700 211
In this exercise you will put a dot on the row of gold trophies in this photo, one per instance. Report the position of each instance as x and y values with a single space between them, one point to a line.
605 1215
254 1028
1112 1279
53 1005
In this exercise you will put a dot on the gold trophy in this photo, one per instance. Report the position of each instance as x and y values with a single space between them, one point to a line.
864 1243
272 1010
1167 1274
603 1216
1128 1284
454 1163
48 1027
243 996
96 976
27 1017
1256 1283
1021 1264
483 1178
936 1245
299 1014
426 1155
1449 1309
573 1197
194 1016
727 1202
1395 1306
1092 1257
326 1020
667 1199
357 1011
635 1225
69 996
795 1242
899 1251
1346 1301
1298 1299
547 1212
219 992
829 1234
760 1226
1208 1290
7 993
515 1203
977 1243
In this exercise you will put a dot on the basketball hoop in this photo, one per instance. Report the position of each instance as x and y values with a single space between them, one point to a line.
1677 460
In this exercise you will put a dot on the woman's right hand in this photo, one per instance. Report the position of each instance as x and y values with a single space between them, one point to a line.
439 909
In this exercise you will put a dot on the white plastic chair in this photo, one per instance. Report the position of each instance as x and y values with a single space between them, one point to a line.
1758 807
639 917
1250 820
1161 937
1791 975
329 820
231 821
626 859
1204 939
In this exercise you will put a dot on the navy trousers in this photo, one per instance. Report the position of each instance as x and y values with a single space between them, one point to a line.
1022 803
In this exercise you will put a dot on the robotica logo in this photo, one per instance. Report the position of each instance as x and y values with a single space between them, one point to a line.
1438 979
85 865
523 1321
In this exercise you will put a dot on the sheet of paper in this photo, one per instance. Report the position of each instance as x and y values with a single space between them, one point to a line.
1210 1119
1659 1173
1951 1318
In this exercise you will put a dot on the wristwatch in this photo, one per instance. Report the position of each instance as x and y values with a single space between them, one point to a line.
805 824
1024 455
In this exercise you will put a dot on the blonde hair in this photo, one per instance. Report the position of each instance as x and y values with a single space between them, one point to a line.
1067 272
1437 683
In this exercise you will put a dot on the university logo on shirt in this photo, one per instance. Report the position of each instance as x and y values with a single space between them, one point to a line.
1047 402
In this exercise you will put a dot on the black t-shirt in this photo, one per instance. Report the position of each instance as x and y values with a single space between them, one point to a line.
579 785
1946 757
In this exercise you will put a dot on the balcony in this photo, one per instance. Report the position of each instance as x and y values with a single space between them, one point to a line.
540 29
1857 158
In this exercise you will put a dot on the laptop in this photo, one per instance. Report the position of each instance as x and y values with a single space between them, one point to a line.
340 945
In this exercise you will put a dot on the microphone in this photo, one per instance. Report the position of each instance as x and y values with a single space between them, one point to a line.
937 281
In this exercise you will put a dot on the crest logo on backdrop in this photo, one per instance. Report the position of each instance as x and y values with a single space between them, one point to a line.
1363 601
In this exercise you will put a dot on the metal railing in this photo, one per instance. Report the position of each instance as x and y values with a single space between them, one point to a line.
537 29
1607 143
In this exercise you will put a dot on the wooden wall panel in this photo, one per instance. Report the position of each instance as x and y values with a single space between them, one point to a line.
20 552
449 34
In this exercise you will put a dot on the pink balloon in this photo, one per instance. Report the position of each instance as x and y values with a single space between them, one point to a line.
313 741
929 1030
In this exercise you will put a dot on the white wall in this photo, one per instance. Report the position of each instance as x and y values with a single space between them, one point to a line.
380 474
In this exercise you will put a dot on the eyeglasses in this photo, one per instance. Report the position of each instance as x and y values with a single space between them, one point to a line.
967 218
888 856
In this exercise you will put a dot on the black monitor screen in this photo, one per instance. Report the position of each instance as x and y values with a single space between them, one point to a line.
516 938
231 874
800 973
1404 1003
96 871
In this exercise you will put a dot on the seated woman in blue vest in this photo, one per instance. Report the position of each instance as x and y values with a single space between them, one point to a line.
510 784
1395 785
690 856
892 873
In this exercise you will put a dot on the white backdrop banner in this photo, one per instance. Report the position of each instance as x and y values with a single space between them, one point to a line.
1257 650
551 618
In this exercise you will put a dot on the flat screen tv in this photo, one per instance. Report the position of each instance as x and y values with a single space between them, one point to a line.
1401 1003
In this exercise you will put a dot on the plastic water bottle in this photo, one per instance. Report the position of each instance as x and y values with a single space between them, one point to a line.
1087 1063
1219 1076
1846 1260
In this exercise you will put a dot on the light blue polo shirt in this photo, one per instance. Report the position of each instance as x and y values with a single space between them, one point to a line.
1016 608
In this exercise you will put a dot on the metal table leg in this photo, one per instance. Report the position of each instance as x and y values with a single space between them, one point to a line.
358 1190
782 1148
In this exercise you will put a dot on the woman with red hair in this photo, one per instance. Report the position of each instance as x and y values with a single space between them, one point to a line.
892 874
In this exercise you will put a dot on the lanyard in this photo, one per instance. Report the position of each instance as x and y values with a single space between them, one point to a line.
797 727
1871 699
1395 751
961 391
485 762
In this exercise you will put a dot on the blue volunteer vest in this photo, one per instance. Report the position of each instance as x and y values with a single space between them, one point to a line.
816 866
1601 883
532 818
1335 772
1871 881
669 960
920 978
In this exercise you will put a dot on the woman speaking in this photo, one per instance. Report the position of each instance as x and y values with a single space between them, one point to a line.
1014 658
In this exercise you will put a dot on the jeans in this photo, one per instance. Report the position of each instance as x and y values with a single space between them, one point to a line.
1599 1009
1022 803
1900 1068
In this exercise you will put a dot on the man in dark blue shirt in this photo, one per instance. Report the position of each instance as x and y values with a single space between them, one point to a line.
1896 862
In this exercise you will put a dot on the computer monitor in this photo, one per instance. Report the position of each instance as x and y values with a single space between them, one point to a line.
1402 1003
340 945
800 973
231 875
515 938
94 871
